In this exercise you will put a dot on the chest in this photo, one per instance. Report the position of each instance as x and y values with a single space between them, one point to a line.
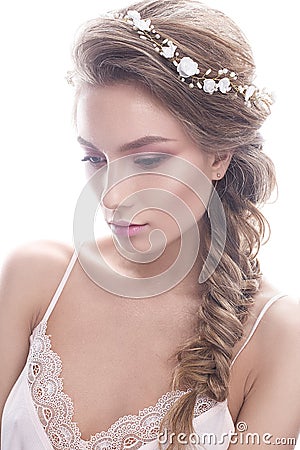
115 360
55 408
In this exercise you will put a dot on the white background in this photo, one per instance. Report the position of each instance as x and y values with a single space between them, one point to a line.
41 174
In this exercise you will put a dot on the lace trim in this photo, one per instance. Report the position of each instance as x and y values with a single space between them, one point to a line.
55 409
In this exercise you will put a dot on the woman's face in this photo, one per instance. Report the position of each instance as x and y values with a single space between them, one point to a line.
123 130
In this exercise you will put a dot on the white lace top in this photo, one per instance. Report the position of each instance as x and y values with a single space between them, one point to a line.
38 415
55 408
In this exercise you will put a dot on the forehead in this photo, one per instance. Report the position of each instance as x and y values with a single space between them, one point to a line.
112 114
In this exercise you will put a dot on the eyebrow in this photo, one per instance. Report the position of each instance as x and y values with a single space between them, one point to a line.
145 140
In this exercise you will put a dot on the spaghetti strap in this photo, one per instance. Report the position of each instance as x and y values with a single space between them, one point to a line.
260 316
60 287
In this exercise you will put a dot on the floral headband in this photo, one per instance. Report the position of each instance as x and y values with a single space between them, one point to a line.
188 70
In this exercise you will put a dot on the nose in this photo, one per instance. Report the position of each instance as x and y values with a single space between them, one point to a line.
113 197
116 188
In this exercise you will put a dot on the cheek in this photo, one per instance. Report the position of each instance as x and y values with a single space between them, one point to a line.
158 200
177 208
182 198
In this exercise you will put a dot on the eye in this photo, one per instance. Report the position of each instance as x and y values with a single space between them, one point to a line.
94 160
150 162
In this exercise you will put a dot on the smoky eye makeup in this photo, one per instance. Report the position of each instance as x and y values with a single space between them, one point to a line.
149 161
94 160
144 160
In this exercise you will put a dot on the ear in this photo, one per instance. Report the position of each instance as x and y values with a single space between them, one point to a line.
220 164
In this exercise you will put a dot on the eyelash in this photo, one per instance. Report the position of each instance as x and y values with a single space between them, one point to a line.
96 160
158 159
91 158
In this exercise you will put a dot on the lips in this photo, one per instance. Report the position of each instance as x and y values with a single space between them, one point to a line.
124 223
126 229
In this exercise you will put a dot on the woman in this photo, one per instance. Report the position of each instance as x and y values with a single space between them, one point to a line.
172 309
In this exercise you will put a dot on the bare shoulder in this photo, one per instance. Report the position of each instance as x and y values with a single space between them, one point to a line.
277 337
280 327
283 314
266 372
272 386
273 335
284 309
36 258
30 274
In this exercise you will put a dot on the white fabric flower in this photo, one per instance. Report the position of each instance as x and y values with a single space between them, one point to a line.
134 15
224 85
169 51
209 86
263 99
187 67
142 25
249 92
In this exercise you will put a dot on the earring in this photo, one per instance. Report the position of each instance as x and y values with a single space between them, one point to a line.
218 175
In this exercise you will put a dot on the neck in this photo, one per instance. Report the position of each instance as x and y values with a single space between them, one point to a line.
181 272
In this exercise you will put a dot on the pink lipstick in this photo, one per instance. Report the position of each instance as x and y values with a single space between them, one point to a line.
123 228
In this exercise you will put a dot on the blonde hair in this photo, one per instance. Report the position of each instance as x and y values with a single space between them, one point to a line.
108 51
